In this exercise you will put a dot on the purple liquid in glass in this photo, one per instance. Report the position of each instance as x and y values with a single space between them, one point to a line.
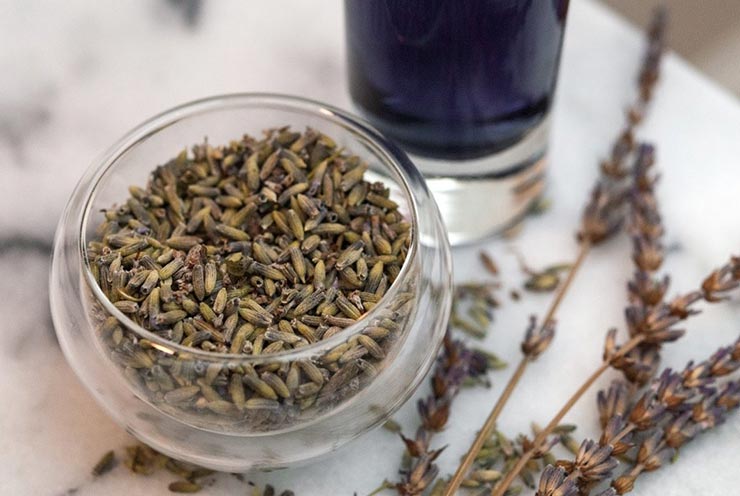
454 79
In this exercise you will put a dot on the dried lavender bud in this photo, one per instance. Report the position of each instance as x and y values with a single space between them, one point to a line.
105 464
488 263
392 426
477 301
184 487
544 280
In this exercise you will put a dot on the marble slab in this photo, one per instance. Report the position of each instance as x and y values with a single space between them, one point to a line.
77 74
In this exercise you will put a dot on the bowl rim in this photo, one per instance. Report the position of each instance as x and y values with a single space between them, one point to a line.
389 154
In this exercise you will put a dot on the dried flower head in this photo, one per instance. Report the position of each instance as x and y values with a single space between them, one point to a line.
670 390
537 338
603 215
613 402
647 289
624 484
422 473
594 462
617 434
728 397
680 430
613 167
722 281
640 364
646 412
680 306
652 453
553 482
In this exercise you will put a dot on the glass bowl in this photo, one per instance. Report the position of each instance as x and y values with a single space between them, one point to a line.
177 399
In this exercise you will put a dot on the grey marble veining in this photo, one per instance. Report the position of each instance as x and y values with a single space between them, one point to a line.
78 74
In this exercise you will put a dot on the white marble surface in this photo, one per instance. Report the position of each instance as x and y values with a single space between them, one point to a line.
78 74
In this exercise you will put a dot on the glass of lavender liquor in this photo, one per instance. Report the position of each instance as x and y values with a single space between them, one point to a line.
466 87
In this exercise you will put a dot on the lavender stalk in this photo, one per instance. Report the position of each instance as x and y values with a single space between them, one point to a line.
656 326
603 217
646 290
456 363
674 410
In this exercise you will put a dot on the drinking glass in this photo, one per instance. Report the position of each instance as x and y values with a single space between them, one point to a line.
466 87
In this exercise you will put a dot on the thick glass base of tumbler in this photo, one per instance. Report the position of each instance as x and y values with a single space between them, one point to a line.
482 197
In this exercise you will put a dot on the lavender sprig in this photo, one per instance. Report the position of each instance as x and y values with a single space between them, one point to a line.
646 289
655 326
602 218
456 363
646 433
604 213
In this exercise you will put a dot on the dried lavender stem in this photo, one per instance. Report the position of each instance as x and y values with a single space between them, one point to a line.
583 250
501 488
485 431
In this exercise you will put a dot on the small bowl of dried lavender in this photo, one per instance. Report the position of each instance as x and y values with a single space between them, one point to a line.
251 281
